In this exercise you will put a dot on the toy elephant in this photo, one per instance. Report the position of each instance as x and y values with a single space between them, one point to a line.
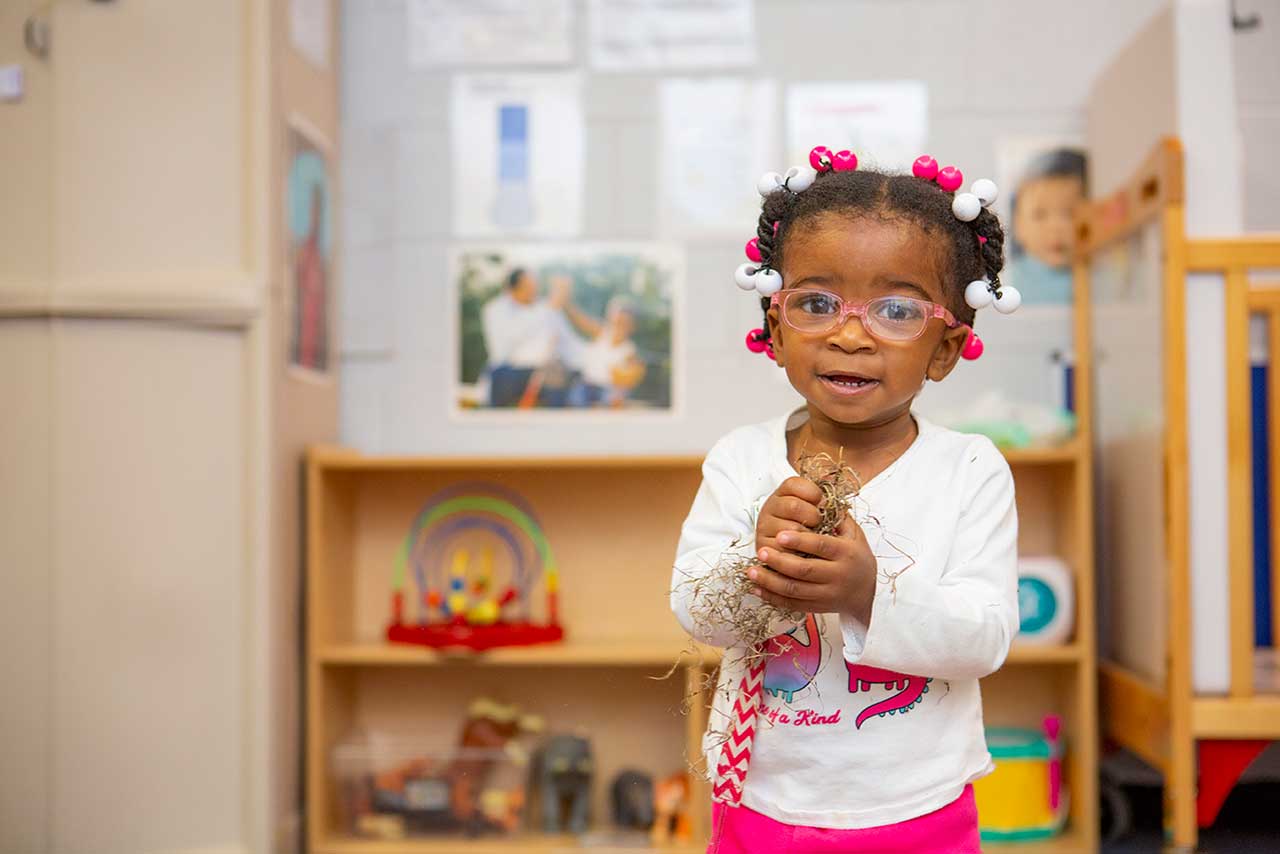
565 769
632 795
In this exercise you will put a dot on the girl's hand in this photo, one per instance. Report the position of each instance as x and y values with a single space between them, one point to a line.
792 507
817 573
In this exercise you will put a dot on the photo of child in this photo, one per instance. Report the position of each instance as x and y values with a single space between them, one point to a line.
1049 184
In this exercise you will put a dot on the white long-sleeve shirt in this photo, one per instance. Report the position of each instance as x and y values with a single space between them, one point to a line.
865 726
522 335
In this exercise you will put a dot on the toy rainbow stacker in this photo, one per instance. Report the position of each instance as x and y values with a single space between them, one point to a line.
475 552
1023 798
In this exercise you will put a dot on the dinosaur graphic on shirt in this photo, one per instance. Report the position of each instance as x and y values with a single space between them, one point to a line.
793 660
910 690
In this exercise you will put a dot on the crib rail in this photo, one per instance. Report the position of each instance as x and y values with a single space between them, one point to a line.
1237 260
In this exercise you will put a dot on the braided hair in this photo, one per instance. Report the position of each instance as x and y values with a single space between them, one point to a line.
861 193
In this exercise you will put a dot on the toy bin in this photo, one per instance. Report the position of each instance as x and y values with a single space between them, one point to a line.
403 790
1023 799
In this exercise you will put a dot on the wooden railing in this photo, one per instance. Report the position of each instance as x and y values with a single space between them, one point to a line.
1235 260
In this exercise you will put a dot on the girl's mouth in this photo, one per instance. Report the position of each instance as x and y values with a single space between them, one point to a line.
848 384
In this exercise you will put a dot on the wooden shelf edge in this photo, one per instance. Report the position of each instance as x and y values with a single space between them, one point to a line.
657 654
338 458
1067 452
1070 653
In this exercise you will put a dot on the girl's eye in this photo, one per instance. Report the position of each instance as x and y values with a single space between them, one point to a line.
817 304
899 311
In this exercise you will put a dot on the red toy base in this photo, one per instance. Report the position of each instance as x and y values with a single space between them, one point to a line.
477 638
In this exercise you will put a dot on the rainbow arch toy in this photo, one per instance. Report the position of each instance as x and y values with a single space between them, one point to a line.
466 572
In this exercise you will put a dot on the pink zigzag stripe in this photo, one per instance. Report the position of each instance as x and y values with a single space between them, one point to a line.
746 706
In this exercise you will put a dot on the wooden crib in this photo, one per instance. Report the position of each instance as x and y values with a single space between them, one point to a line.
1182 684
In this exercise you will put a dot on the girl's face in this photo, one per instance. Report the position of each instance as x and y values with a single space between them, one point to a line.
860 259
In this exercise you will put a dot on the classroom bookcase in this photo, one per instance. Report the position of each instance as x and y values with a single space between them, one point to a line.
613 523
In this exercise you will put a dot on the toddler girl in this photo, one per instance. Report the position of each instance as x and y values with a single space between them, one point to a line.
861 726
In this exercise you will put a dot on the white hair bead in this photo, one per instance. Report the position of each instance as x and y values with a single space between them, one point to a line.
986 191
770 182
977 295
768 282
966 207
1008 300
745 276
800 178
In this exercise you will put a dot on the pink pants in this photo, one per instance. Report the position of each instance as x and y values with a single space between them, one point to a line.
953 829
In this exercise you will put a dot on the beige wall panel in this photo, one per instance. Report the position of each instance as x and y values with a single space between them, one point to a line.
150 571
26 159
1132 104
149 125
26 589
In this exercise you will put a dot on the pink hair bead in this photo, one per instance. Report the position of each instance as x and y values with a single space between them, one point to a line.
950 178
768 350
973 347
925 167
775 227
844 161
753 250
981 240
755 341
820 158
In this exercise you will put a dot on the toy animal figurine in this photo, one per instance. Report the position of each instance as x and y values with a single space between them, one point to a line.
632 794
489 727
565 769
671 808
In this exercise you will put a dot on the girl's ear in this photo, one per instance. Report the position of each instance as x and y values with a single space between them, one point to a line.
947 353
775 334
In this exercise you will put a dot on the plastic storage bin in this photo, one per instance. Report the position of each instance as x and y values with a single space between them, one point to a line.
401 789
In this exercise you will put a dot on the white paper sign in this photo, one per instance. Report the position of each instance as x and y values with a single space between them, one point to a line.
517 155
885 124
716 137
309 30
631 36
489 32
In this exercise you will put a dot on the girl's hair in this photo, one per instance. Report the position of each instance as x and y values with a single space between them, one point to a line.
866 194
513 278
1054 163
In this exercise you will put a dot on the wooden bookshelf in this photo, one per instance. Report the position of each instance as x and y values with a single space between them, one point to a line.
614 524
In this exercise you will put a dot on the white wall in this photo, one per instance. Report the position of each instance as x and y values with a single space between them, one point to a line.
994 68
1257 66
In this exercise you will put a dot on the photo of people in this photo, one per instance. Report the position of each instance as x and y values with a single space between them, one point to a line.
570 328
1049 183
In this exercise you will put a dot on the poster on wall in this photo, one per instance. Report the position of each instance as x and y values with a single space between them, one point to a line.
630 36
517 155
561 329
886 124
1043 181
715 135
308 208
309 30
495 32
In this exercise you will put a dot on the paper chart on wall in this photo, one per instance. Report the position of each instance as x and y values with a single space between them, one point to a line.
309 30
495 32
517 155
716 137
886 124
630 36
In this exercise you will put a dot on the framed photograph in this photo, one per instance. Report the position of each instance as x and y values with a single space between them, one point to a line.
308 210
553 330
1043 182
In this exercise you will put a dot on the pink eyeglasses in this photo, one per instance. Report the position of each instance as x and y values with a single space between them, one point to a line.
891 318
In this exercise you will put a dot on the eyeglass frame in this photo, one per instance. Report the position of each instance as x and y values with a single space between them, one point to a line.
859 310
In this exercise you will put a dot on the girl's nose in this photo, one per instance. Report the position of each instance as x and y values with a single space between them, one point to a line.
852 336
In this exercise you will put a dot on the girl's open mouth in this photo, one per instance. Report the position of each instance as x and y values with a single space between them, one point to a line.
848 384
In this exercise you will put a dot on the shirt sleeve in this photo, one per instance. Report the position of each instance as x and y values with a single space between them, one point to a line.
496 337
721 521
960 627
